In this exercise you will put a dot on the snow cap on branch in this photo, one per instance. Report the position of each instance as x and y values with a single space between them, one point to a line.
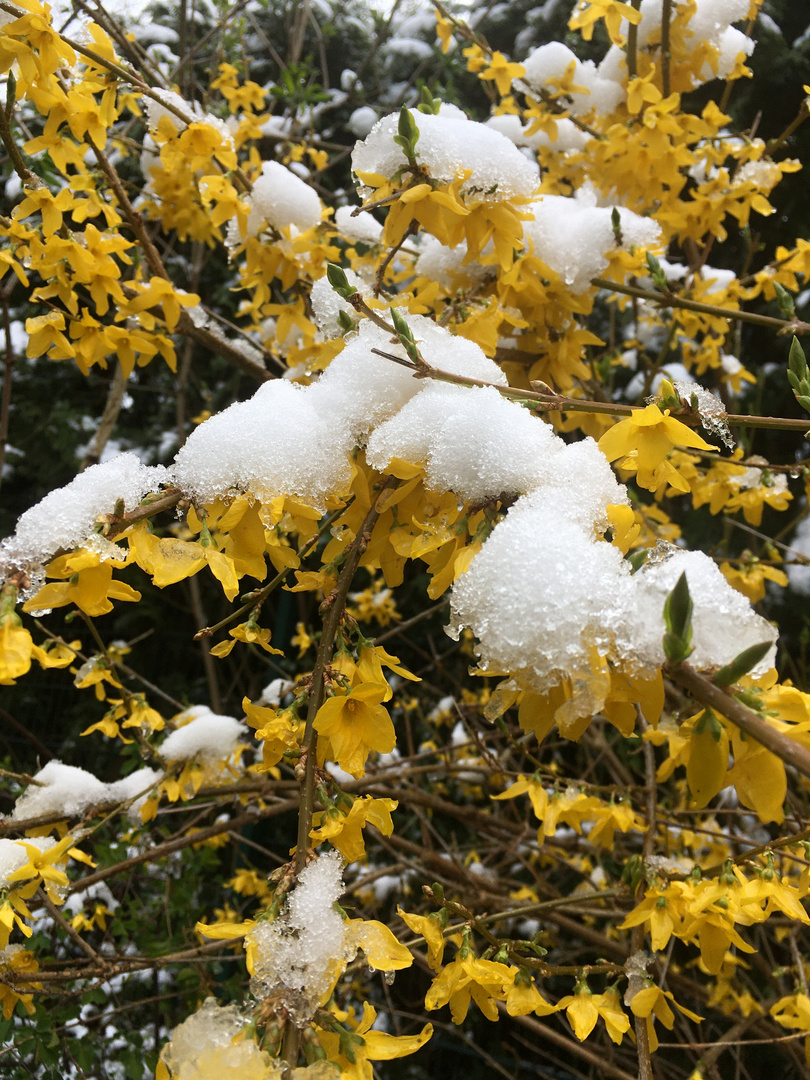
450 145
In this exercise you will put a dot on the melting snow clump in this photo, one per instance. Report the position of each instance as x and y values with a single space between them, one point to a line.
711 409
208 1044
298 956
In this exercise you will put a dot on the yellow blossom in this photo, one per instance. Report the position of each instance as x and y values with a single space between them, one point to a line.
642 443
431 928
368 1046
502 72
469 979
350 726
345 831
89 585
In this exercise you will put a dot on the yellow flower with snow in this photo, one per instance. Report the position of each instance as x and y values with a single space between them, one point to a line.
350 726
642 442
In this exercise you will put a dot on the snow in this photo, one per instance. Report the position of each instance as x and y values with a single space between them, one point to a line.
444 265
572 235
723 621
298 956
71 791
711 409
360 228
274 443
472 441
67 516
205 735
280 198
541 592
257 445
551 61
361 121
450 145
327 304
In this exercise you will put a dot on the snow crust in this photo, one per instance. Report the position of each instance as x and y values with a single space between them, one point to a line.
449 145
66 516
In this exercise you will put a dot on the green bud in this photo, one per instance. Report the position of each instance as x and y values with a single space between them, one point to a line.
658 275
784 300
408 134
336 276
678 621
741 664
616 222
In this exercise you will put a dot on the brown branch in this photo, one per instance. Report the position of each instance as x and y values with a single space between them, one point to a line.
334 604
670 299
112 408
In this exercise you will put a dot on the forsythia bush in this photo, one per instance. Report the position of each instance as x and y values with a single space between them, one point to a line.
507 385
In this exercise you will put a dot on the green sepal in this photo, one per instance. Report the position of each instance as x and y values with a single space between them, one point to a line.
336 276
741 664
